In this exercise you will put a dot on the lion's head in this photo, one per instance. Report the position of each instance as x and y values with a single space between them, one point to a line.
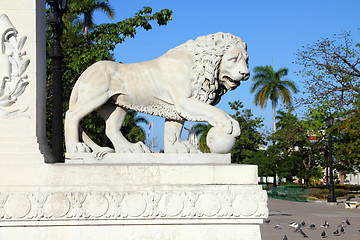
221 62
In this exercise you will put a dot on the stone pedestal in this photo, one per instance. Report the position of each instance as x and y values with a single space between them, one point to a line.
136 196
131 201
22 122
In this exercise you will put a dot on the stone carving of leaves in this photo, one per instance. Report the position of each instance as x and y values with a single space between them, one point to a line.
152 199
37 199
190 199
76 200
14 85
115 200
3 199
263 210
226 198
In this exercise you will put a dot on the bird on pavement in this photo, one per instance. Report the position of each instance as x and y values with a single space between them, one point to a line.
347 221
277 226
302 233
312 227
323 234
294 225
336 233
326 224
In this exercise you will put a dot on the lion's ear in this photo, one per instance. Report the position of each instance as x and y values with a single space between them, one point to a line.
245 45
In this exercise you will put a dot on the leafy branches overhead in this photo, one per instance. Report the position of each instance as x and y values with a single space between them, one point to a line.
331 69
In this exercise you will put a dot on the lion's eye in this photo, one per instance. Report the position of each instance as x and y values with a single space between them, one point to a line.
233 59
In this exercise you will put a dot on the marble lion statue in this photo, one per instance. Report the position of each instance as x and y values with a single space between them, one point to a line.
182 85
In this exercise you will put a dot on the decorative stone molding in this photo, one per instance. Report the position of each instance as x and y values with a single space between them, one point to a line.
12 69
221 204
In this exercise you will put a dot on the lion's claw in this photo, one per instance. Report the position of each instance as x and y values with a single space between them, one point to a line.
80 147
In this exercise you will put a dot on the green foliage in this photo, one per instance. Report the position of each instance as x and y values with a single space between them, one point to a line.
87 9
330 71
202 130
299 155
324 193
82 50
247 144
268 85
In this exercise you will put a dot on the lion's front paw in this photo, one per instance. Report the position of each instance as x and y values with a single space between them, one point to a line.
228 125
80 147
236 131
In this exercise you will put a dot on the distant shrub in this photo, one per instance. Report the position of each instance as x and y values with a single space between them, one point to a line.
324 193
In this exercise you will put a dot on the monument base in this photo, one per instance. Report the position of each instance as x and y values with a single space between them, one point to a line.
138 232
131 201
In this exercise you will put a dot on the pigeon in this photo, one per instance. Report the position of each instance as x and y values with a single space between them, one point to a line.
342 230
312 227
285 238
267 221
277 226
302 233
336 233
294 225
326 224
323 234
347 221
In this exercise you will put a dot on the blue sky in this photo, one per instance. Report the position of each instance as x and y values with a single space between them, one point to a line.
274 31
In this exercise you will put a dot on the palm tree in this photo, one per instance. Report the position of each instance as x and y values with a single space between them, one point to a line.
268 85
87 8
202 130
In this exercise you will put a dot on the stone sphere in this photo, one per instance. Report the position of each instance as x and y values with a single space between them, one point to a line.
220 142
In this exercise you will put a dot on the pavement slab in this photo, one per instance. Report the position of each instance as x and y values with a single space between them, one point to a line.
284 212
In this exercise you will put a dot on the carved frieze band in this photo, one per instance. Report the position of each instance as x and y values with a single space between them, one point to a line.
132 205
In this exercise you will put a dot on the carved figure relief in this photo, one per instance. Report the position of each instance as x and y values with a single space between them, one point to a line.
12 69
182 85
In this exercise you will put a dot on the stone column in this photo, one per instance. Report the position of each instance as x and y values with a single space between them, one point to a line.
23 82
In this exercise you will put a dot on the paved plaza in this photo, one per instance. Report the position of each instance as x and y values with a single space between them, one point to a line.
284 212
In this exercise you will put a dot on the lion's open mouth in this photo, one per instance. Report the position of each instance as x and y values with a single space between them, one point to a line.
230 83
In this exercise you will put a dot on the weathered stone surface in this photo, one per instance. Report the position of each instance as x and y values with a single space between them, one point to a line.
182 85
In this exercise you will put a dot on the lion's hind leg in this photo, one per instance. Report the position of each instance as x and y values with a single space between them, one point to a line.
114 117
76 112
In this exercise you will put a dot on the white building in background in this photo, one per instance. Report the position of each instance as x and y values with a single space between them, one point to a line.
354 178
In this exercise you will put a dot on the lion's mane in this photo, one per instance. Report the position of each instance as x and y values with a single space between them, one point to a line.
207 54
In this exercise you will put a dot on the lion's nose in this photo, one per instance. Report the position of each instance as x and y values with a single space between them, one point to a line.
245 76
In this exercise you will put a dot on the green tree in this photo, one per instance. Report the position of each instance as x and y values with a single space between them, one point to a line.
332 79
330 71
268 85
202 129
86 8
80 51
301 145
247 144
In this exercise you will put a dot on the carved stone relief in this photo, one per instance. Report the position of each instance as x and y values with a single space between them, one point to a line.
12 69
133 205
